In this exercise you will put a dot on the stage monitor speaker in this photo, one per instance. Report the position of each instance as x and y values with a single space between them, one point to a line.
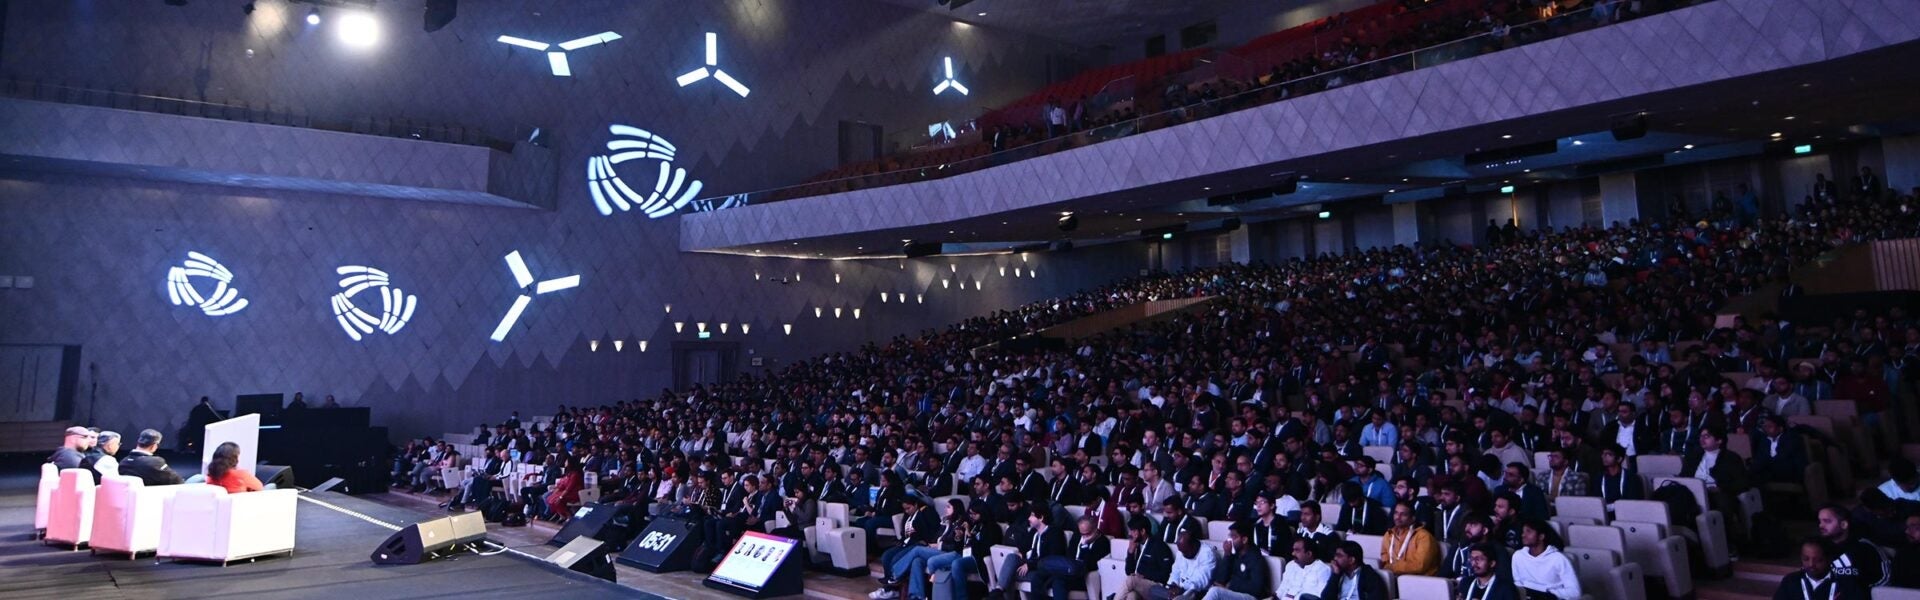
759 566
584 555
440 13
278 476
1629 127
416 543
468 527
591 520
665 547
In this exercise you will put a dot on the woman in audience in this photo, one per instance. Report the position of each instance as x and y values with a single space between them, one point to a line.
224 470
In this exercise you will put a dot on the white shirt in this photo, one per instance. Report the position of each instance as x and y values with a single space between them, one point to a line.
1301 580
970 467
1193 573
1286 506
1891 488
1625 438
1549 572
1704 472
107 465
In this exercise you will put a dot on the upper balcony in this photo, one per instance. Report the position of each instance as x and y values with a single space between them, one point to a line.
1364 115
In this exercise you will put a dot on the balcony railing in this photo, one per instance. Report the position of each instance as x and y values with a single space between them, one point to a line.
1502 38
248 113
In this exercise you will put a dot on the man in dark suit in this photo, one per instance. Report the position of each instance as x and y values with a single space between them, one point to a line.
1779 455
1149 561
1519 482
1347 565
1640 433
1360 514
1043 542
143 464
1202 502
938 481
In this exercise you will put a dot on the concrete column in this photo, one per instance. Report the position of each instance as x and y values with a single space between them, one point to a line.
1619 198
1406 224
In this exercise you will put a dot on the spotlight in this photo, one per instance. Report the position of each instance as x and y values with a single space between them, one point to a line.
1069 223
313 16
359 29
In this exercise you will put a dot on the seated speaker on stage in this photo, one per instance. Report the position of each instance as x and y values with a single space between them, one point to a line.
224 471
100 460
141 462
73 449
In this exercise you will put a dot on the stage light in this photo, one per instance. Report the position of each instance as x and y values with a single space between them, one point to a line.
883 297
1003 272
679 326
902 297
856 313
976 285
943 284
836 278
669 309
701 326
557 61
816 312
723 327
224 300
746 328
359 29
712 70
396 307
593 345
313 16
787 327
836 312
949 82
631 143
643 345
522 277
920 298
619 345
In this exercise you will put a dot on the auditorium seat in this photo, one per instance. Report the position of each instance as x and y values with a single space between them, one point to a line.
1419 587
845 547
1895 593
1218 530
1593 566
127 514
1663 555
70 518
204 522
1383 454
1369 544
43 501
1598 537
1589 510
1626 582
1657 465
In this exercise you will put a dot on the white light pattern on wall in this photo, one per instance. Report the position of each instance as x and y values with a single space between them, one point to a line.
396 307
713 70
224 300
633 143
949 82
522 277
557 61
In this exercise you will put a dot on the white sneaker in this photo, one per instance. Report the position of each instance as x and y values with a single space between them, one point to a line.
883 594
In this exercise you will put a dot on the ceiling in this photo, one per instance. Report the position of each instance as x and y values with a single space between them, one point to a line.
1080 22
1866 95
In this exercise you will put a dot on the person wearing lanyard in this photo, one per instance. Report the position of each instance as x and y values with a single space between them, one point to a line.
1270 532
1408 548
1616 481
1815 579
1352 579
1485 583
1446 520
1086 550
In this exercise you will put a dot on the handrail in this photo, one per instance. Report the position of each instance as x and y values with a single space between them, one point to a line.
386 127
1437 54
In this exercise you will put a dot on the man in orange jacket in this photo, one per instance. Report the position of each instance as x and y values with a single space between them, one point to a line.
1408 548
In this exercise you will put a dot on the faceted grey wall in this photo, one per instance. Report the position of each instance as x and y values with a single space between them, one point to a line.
99 248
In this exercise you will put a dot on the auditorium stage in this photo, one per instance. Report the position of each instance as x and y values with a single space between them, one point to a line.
330 560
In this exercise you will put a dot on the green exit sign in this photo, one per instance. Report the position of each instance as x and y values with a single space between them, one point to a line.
1803 149
706 334
1506 189
1166 236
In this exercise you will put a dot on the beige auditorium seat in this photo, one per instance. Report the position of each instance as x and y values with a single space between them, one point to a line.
1664 556
1581 510
843 547
1593 566
1627 582
1658 465
1598 537
1423 587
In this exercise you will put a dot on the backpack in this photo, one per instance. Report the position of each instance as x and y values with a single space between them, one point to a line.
1683 509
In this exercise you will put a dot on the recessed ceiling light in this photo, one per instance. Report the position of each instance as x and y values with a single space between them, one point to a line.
1403 180
1579 143
1526 170
983 14
1777 134
1391 191
1136 219
1206 189
1687 147
1346 179
1789 117
1506 137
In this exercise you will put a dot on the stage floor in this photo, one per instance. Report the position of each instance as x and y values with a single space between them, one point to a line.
330 560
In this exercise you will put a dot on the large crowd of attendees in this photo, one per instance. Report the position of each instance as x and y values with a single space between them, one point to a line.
1256 407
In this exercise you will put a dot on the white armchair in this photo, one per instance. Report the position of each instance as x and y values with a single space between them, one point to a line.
70 510
126 515
204 522
49 479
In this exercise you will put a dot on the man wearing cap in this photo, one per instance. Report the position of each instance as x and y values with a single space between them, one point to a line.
72 449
